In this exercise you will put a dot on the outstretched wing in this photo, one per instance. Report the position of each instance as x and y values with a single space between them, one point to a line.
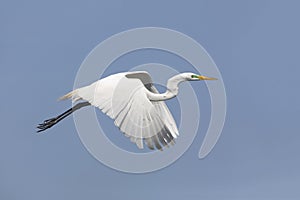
123 97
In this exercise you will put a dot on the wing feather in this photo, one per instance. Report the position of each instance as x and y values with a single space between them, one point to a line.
123 97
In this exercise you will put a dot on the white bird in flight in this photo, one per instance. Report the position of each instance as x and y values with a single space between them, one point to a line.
133 102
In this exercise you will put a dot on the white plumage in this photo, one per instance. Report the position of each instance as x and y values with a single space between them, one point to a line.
133 102
123 97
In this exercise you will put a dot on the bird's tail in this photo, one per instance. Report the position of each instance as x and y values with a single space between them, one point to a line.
71 95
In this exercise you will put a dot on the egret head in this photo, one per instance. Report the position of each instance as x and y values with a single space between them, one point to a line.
195 77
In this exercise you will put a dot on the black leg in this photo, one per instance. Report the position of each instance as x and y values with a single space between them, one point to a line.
51 122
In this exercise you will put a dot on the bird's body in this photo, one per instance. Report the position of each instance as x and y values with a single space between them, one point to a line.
133 102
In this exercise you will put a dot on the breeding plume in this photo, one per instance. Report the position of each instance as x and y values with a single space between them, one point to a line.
133 102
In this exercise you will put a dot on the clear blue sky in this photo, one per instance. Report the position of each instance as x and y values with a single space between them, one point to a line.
256 47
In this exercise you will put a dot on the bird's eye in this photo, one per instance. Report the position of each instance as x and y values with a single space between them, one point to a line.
194 76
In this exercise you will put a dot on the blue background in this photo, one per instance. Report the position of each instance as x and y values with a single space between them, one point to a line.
256 47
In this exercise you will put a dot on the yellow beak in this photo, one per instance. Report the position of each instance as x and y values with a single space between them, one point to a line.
206 78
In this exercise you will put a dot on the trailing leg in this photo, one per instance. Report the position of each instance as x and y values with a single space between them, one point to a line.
51 122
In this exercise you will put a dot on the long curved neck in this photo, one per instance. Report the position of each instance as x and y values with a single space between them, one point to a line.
172 89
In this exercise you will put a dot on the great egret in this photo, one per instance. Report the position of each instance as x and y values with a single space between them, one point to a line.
137 108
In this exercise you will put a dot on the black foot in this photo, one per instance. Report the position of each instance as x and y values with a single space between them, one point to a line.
47 124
